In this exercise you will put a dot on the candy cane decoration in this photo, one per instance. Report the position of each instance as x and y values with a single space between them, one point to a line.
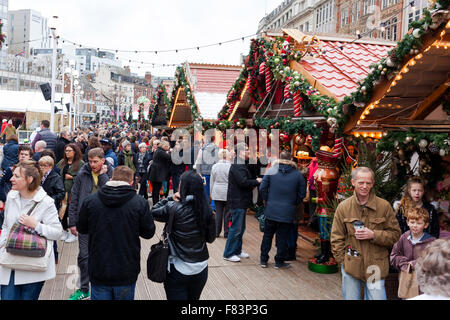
262 68
287 92
297 106
338 145
268 79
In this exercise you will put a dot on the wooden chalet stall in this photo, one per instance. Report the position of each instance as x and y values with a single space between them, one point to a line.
199 92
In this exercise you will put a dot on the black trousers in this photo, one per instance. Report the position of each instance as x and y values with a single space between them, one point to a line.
282 230
182 287
143 185
155 191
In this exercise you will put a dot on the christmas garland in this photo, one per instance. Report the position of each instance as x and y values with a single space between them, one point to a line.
181 81
160 93
438 143
2 35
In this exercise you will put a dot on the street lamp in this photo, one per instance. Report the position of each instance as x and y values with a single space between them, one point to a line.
53 26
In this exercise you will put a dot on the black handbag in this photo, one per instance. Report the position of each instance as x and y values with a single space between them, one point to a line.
158 257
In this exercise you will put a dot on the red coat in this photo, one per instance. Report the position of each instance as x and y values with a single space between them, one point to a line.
4 124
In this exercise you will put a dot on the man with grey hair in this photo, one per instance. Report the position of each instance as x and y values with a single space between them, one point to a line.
364 229
38 148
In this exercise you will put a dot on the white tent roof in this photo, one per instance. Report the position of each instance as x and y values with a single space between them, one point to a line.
23 101
210 104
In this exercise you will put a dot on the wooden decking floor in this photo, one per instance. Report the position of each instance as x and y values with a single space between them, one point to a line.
244 280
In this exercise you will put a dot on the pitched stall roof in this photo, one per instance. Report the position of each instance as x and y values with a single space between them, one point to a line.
334 73
343 61
413 97
210 84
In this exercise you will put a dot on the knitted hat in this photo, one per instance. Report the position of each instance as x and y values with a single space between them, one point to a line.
126 143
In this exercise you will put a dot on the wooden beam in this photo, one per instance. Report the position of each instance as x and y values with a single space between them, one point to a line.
174 105
426 107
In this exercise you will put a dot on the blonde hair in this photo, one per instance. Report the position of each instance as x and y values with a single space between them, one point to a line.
164 144
433 268
47 160
224 154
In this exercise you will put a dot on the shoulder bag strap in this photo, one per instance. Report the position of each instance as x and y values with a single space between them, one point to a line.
171 215
32 208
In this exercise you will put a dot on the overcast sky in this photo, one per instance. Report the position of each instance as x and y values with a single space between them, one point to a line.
157 25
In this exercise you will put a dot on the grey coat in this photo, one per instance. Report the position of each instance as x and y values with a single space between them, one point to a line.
82 187
219 180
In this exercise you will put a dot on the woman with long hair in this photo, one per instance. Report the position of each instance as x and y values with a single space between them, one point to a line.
26 192
93 143
160 168
413 197
69 167
193 227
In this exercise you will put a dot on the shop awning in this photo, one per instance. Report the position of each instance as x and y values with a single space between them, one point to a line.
23 101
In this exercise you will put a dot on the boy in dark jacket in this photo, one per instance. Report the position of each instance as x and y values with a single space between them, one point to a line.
114 218
413 241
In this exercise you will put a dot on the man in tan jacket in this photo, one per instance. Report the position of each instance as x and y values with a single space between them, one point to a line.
364 229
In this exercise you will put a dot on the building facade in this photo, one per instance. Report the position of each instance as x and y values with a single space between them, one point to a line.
27 30
4 19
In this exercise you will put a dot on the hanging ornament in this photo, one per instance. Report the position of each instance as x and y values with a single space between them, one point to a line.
442 153
297 106
338 146
423 144
390 63
416 33
408 139
268 79
299 140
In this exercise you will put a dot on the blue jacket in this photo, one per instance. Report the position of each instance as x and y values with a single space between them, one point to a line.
10 154
283 188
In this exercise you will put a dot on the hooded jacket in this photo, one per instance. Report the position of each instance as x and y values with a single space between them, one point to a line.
10 154
114 218
82 187
283 188
404 251
54 187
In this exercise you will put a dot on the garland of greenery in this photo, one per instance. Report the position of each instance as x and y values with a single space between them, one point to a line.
159 94
181 81
418 141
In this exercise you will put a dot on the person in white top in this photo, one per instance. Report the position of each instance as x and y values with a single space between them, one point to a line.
26 190
219 189
433 271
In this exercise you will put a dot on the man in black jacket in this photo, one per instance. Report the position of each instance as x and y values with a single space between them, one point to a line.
91 177
114 218
239 199
64 138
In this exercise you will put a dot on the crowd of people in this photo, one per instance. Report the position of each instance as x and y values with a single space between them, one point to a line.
94 186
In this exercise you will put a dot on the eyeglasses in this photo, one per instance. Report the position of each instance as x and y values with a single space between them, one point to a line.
68 150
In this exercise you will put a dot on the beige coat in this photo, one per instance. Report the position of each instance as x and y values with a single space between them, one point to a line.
379 217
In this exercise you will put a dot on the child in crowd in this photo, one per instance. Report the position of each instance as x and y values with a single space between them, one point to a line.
413 241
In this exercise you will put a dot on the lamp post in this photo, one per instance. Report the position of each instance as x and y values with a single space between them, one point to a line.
54 38
118 104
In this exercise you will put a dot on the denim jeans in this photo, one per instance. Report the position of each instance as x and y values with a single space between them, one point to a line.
292 236
235 233
112 292
207 186
351 288
183 287
281 230
29 291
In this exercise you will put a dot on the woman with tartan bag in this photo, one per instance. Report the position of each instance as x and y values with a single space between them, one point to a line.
25 193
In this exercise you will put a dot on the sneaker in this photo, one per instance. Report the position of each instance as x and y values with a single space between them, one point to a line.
263 264
79 295
233 258
243 255
71 238
282 265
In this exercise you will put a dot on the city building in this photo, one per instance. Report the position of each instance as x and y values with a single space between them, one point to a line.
27 29
4 20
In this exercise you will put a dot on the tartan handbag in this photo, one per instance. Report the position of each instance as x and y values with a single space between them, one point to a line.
25 249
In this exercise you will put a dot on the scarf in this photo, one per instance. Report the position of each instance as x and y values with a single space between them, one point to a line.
129 160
